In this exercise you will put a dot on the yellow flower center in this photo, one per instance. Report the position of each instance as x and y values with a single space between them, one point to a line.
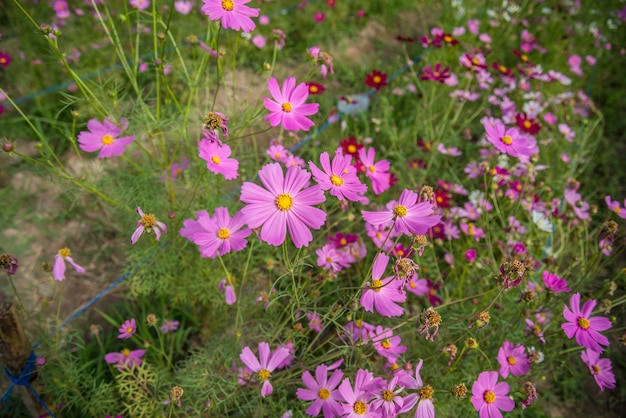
228 5
223 233
394 367
400 211
503 69
286 107
351 149
426 393
216 159
126 352
387 395
284 202
447 39
489 397
324 394
64 252
313 89
107 139
129 330
470 229
527 124
412 285
536 329
583 323
358 323
148 220
436 74
507 139
386 344
377 284
524 58
376 79
596 369
511 360
278 156
336 180
329 260
264 374
360 407
3 60
475 61
343 241
372 169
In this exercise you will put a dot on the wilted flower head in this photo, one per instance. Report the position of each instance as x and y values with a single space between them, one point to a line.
9 263
58 270
147 223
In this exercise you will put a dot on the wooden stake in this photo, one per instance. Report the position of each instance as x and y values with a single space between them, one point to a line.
15 351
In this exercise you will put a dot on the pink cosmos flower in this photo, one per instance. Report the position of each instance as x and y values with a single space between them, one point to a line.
489 396
315 322
287 107
470 229
377 172
321 390
424 395
387 344
266 365
125 358
554 283
140 4
233 13
259 41
581 208
438 73
615 207
218 235
339 177
103 137
227 288
357 398
183 7
218 159
383 295
331 258
601 369
584 328
283 204
176 169
58 268
147 223
389 402
410 216
358 331
513 360
509 141
128 328
169 325
531 327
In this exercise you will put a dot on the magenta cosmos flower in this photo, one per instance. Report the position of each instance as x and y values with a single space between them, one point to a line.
218 159
411 217
387 344
128 328
218 235
509 141
268 363
169 325
383 295
377 172
424 395
103 137
147 223
233 13
58 268
339 177
283 204
125 358
489 396
615 207
288 108
513 360
601 369
321 390
357 398
554 283
584 328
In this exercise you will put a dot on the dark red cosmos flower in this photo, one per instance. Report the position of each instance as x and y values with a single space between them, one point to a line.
426 41
442 197
376 79
504 70
448 39
392 179
435 74
315 88
426 146
340 240
414 164
527 124
432 293
437 231
407 39
523 57
5 59
350 146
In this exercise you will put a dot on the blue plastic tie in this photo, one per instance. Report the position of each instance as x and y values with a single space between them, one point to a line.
24 380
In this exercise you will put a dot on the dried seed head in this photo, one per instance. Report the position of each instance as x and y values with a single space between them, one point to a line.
431 317
611 227
151 319
529 295
460 391
405 267
471 343
47 267
213 121
427 194
605 306
482 319
9 263
176 392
